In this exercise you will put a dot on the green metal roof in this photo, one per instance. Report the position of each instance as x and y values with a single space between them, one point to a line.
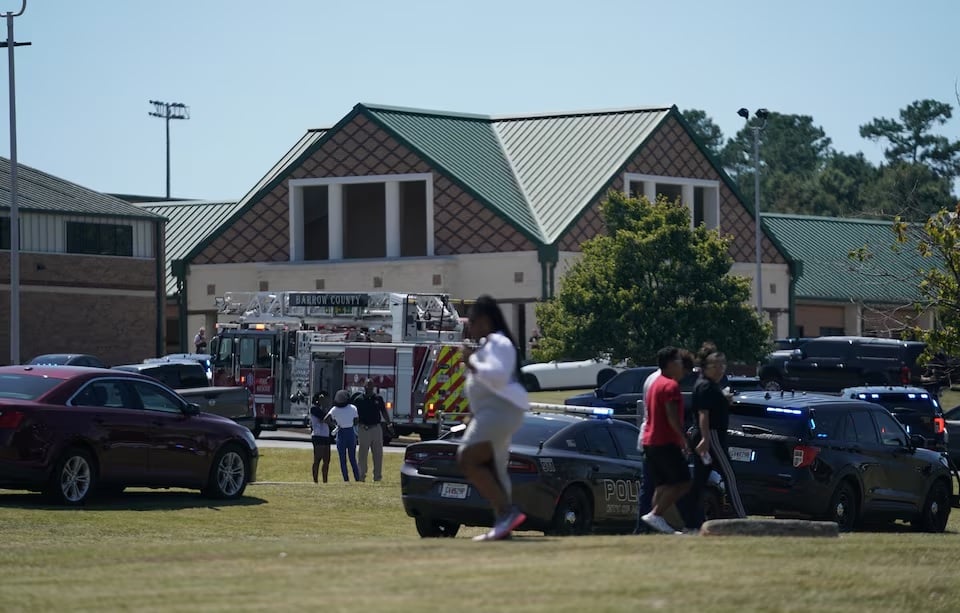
823 244
190 222
539 171
40 192
466 147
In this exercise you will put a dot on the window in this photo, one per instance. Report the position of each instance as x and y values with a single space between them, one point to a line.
699 206
413 218
364 221
624 383
864 428
596 440
671 192
891 434
316 226
248 352
4 233
99 238
104 393
264 352
223 350
829 425
825 349
627 441
831 331
154 398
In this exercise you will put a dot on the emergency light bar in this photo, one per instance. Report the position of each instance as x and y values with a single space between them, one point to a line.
595 412
787 411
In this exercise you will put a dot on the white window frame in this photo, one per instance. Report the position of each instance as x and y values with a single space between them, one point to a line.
295 191
711 198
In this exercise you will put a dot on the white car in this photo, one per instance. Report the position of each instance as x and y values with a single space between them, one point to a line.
567 375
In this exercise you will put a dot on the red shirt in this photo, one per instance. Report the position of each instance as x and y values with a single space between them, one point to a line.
659 431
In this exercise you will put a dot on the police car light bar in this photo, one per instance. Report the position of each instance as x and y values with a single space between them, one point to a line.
598 412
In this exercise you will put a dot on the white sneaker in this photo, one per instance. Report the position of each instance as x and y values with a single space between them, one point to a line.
658 523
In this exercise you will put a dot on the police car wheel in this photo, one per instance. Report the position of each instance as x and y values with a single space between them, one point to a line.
936 509
843 507
436 528
574 513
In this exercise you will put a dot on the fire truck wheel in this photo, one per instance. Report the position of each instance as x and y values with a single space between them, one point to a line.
228 473
436 528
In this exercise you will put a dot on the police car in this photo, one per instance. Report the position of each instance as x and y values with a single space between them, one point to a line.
573 472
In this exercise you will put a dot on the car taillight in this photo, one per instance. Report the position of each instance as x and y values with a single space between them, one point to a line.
520 465
939 425
10 419
804 455
905 375
414 458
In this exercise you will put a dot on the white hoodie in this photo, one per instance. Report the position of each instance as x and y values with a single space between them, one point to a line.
493 379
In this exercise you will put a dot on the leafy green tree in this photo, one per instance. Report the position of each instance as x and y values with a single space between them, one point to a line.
650 282
911 191
793 150
911 139
706 130
843 185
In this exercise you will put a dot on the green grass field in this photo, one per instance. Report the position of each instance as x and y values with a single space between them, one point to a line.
293 545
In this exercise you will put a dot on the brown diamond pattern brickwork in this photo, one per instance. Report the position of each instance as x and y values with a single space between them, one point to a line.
361 148
671 152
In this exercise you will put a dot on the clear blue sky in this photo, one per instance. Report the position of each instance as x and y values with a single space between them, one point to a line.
258 74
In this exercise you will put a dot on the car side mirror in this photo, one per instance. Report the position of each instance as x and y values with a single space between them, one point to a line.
796 354
917 440
191 408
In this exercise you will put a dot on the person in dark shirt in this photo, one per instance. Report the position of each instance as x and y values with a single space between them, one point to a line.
373 412
711 405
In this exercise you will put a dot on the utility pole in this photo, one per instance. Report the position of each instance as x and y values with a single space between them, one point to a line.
761 116
168 111
14 208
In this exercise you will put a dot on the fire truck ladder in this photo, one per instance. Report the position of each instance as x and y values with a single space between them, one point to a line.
381 308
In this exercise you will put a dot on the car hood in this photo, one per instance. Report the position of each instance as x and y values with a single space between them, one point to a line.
928 455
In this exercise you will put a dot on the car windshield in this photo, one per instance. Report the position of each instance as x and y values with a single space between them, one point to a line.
762 419
26 387
536 429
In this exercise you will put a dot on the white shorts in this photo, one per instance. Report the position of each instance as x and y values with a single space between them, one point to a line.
497 427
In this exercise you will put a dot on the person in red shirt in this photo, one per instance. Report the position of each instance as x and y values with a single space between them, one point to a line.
665 444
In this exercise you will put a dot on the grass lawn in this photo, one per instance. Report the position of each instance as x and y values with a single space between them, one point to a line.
292 545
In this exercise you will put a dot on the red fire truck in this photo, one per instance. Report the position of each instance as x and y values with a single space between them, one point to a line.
287 346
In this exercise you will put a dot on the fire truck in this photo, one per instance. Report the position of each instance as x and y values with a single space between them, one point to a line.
287 346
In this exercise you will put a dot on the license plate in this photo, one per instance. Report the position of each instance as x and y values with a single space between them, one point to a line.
741 454
455 490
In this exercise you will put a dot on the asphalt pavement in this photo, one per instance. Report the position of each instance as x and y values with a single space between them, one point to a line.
300 439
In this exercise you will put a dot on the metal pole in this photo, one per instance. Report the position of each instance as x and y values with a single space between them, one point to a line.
756 225
14 209
168 151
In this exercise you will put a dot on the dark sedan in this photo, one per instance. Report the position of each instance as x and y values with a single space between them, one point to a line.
570 474
68 431
67 359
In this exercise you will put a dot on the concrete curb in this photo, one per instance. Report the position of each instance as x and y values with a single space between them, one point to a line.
770 527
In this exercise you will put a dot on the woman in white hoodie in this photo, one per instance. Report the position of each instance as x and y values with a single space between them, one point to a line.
497 404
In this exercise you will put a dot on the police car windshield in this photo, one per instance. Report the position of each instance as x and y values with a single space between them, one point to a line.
537 429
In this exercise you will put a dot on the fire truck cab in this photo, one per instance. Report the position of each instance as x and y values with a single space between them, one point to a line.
287 346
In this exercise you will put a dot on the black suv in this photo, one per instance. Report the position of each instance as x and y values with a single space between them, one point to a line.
177 374
842 460
831 363
914 407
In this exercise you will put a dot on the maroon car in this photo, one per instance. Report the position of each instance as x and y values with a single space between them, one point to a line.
68 431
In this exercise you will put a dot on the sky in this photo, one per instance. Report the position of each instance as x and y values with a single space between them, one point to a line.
257 74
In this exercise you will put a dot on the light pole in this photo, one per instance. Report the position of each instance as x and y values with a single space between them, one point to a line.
168 111
759 124
14 208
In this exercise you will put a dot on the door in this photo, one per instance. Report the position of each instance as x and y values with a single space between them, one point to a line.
869 457
819 368
120 431
622 392
613 479
177 455
905 476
